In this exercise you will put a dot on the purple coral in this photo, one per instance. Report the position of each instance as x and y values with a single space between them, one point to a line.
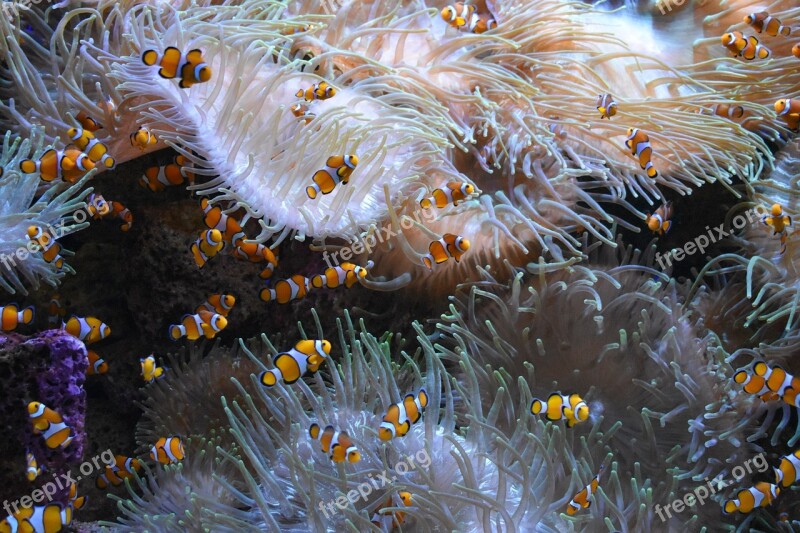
48 367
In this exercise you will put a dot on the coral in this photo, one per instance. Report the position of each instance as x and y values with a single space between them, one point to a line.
50 368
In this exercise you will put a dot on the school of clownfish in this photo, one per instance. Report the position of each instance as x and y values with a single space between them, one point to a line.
76 160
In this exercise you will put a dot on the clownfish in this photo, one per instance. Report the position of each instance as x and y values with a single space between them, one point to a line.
448 246
759 495
345 274
142 138
90 124
301 111
218 303
607 106
69 164
453 192
150 371
50 518
730 111
33 470
48 245
318 91
779 223
11 316
796 51
400 416
458 15
306 356
581 500
89 329
112 209
191 68
638 142
215 219
337 443
762 21
381 518
338 169
197 325
158 178
55 311
769 383
168 450
286 290
116 474
788 472
745 46
561 406
255 252
74 501
96 364
660 222
50 425
94 149
206 246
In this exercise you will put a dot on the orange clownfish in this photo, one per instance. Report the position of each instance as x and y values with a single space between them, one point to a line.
55 311
286 290
50 425
168 450
255 252
345 274
607 106
788 472
391 519
218 303
158 178
116 474
191 68
11 316
660 222
779 223
458 15
769 383
215 219
48 245
762 21
728 110
481 23
96 364
142 138
448 246
69 164
338 169
400 416
89 123
559 406
32 470
581 500
94 149
206 246
638 142
50 518
114 209
318 91
89 329
336 443
150 371
197 325
301 111
453 192
745 46
306 356
759 495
